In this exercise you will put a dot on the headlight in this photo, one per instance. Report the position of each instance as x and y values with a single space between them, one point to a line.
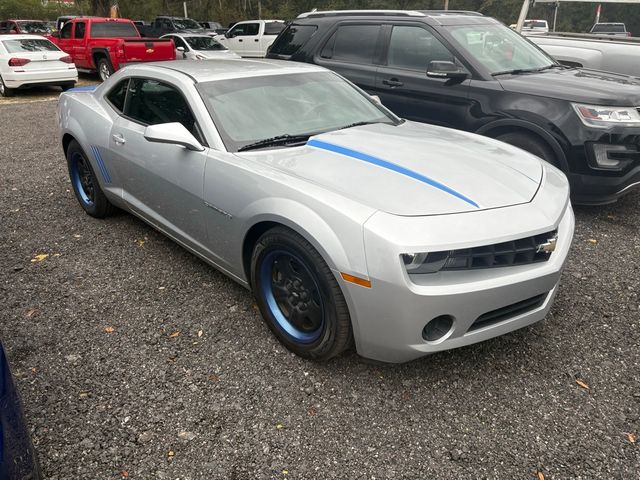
424 262
607 117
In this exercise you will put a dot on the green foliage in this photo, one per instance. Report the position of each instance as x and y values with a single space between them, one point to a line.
577 17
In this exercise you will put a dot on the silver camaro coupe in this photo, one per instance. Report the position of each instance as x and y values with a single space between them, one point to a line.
349 224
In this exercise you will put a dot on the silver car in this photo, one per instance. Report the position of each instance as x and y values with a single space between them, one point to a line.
349 224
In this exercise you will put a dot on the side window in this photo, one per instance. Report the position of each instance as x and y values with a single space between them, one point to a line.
66 30
238 30
152 102
251 29
180 43
80 29
352 43
117 95
413 48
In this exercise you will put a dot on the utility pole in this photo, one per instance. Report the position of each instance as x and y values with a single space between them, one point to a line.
184 4
446 4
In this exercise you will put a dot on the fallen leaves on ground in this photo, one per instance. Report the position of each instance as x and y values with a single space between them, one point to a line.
279 426
582 383
312 411
32 312
593 241
632 437
40 257
540 476
124 474
200 333
140 243
109 329
174 334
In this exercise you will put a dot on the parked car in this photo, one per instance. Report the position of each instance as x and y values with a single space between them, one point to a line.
190 46
597 52
163 25
616 29
535 27
212 27
252 38
30 60
106 44
141 25
24 26
18 458
344 220
473 73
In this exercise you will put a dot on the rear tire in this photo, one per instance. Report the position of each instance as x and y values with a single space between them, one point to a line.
85 183
531 144
105 69
6 91
298 296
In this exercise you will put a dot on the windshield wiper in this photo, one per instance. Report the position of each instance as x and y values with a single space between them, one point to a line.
285 139
518 71
357 124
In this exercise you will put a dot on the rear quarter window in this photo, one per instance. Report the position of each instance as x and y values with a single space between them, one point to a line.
293 39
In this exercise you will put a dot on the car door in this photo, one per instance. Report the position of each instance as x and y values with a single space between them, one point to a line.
237 39
251 40
163 183
353 51
78 51
186 54
404 86
65 39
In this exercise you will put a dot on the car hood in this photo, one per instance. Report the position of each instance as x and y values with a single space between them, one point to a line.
225 54
577 85
413 169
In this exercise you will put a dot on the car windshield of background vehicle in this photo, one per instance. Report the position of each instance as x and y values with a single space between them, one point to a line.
186 24
33 27
293 39
204 43
113 30
29 45
273 28
248 110
609 27
500 49
535 24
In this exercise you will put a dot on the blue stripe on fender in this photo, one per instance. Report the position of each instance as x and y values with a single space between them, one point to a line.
101 165
390 166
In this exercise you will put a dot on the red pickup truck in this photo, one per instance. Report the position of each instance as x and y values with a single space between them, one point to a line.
107 44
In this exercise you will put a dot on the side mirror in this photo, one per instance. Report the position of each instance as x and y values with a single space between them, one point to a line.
376 99
180 49
229 34
173 134
446 69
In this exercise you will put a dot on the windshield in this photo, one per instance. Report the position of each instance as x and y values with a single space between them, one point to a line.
30 45
609 27
248 110
186 24
33 27
499 49
535 24
204 43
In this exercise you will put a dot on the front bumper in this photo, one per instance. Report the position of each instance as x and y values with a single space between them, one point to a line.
389 318
40 77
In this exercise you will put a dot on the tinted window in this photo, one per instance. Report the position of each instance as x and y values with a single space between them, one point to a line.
179 42
113 29
80 29
237 30
617 28
66 30
186 24
292 39
353 43
414 47
251 29
151 102
117 95
204 43
29 45
273 28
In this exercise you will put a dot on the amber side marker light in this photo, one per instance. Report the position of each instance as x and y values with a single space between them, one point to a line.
357 280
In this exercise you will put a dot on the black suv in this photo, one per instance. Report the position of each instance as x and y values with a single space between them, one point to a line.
470 72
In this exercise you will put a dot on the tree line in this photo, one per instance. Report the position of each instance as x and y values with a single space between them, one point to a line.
575 17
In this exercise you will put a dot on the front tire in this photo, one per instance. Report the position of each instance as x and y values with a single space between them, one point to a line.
298 296
105 69
85 183
4 90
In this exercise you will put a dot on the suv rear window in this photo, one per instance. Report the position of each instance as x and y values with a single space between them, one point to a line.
113 30
292 39
352 43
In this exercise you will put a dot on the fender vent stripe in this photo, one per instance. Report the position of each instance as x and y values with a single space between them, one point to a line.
101 165
389 166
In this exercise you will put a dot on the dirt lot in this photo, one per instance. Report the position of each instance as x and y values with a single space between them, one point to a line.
136 360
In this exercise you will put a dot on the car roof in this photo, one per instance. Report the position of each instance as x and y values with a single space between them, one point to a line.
182 34
207 71
23 36
435 17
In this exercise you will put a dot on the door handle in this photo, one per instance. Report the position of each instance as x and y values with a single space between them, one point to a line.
256 40
393 82
119 139
239 39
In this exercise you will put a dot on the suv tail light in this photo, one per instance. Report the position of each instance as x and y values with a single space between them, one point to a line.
18 62
66 59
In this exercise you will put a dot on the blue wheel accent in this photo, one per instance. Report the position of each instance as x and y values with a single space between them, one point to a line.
293 296
82 179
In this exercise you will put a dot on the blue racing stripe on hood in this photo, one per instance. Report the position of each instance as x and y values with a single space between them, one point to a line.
86 88
389 166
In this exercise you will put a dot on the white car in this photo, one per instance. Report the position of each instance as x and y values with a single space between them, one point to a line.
27 60
253 37
192 46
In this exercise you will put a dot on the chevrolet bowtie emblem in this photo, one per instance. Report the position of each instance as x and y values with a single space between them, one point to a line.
547 247
150 50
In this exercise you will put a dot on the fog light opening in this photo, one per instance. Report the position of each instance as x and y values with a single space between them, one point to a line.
437 328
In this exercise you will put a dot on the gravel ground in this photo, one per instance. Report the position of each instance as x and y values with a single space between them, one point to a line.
136 360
